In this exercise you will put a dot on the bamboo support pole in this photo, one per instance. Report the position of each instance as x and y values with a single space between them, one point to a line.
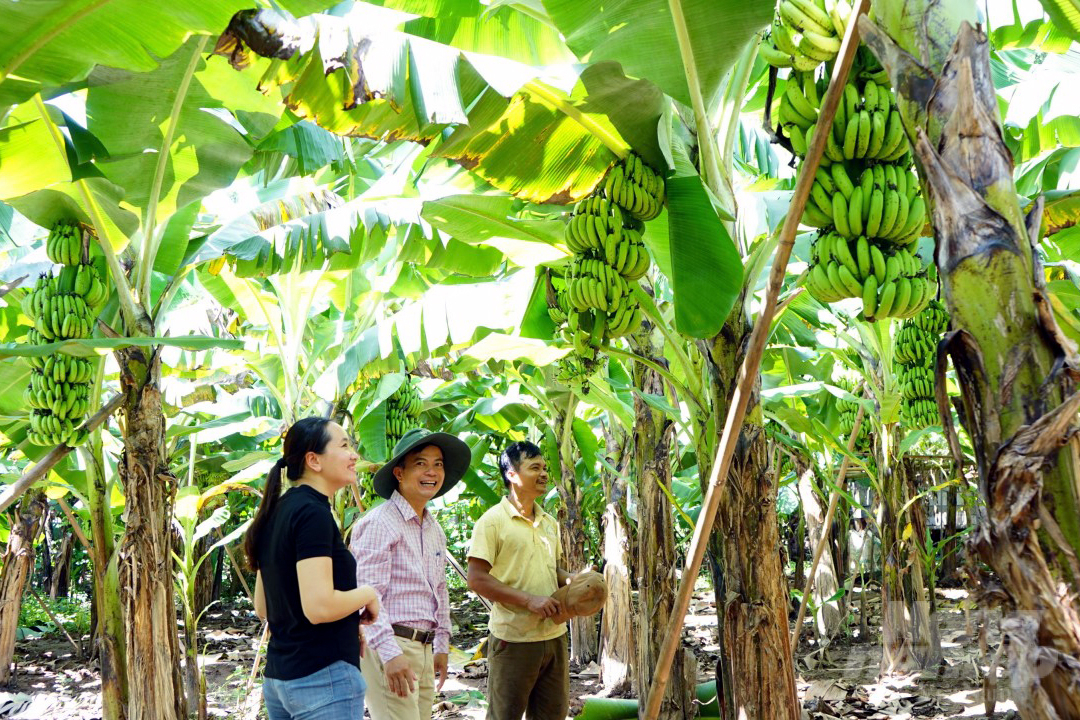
55 620
239 573
819 550
75 526
750 367
47 463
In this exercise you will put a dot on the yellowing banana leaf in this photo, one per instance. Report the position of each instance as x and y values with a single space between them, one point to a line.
641 35
543 145
530 147
1060 211
51 42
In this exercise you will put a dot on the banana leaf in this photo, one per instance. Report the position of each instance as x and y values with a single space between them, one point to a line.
48 43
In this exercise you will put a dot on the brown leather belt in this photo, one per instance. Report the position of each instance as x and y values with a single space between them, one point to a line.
424 637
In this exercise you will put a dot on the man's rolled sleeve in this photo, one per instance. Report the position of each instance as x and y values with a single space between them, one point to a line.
371 543
484 544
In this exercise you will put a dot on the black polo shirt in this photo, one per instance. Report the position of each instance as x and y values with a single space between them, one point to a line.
303 527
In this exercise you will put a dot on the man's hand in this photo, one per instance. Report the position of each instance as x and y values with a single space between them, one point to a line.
363 642
545 607
400 677
441 662
369 612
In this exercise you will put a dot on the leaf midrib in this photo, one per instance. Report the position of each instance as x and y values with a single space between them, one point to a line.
499 221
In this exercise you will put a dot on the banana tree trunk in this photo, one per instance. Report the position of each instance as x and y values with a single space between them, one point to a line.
108 614
656 562
58 584
826 579
583 635
756 676
617 619
145 560
18 564
909 636
1016 370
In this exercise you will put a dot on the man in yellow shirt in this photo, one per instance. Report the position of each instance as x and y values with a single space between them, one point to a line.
513 561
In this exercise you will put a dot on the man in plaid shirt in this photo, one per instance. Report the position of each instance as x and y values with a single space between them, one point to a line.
400 550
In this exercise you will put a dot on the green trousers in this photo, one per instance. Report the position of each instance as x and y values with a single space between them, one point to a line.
528 678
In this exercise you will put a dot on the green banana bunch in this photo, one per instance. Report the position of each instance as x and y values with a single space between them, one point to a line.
800 104
892 209
559 310
915 352
592 283
62 307
889 281
47 429
806 33
848 410
586 330
549 448
919 413
65 243
402 408
934 320
916 381
867 125
634 187
624 319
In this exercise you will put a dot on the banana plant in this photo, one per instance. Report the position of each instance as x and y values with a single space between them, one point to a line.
192 526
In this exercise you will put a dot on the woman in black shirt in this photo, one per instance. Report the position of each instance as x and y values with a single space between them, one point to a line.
306 581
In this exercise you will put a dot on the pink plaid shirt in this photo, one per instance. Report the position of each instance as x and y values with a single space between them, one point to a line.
404 559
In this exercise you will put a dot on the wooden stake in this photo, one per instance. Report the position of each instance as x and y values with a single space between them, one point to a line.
834 500
75 526
239 573
56 621
750 367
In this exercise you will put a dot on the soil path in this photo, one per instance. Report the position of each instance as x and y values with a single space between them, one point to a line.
838 681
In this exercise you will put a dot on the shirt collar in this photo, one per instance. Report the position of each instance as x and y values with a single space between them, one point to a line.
406 510
538 512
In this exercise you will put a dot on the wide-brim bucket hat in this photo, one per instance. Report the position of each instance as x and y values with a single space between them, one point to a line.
456 458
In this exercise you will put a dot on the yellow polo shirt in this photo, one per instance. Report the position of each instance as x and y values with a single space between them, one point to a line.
524 555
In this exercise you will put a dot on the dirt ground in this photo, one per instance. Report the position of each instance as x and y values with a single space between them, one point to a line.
837 681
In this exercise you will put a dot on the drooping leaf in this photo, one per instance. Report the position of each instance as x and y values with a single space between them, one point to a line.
499 346
706 268
504 32
1065 15
37 159
530 147
641 35
52 42
23 166
168 139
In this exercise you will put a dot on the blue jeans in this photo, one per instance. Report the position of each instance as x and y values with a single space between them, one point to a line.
334 693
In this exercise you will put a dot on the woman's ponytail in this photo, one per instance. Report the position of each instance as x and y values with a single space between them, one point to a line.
270 498
306 435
